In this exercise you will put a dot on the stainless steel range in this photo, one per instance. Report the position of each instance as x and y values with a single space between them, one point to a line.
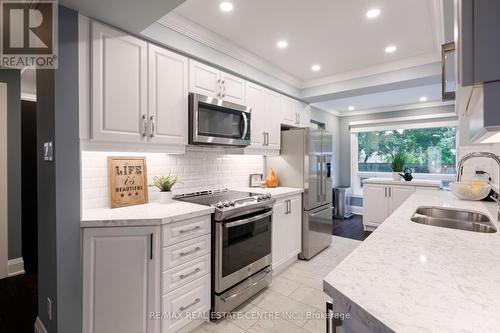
241 245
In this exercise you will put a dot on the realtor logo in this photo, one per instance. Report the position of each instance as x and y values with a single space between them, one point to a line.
28 34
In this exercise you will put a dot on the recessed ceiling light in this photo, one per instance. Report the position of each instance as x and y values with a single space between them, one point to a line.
316 68
372 13
423 99
282 44
226 6
351 108
390 49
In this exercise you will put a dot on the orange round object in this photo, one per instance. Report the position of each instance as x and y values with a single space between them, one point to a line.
271 179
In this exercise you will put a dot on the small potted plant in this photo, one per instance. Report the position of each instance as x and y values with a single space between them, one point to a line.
164 184
398 161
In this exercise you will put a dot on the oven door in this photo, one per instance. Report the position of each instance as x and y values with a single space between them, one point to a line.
214 121
242 248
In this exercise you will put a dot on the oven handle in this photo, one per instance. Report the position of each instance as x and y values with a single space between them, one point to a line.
245 124
268 271
248 220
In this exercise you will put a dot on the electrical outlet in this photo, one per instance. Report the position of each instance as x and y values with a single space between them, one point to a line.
49 308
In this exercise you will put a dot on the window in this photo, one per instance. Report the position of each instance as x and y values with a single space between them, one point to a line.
431 152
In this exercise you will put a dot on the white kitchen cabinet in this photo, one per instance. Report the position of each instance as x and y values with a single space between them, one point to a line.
272 125
118 85
121 284
294 113
397 195
168 97
375 204
209 81
287 231
381 199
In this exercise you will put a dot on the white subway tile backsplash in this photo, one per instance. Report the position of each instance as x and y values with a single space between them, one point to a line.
195 170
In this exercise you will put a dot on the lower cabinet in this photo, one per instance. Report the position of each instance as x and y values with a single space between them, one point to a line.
121 279
380 201
287 230
146 279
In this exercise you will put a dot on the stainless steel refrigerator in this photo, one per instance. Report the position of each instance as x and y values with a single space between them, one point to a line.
306 162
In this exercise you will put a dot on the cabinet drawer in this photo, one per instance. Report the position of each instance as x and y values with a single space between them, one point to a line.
193 298
181 253
180 231
185 273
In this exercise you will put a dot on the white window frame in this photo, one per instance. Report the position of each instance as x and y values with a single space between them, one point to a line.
357 190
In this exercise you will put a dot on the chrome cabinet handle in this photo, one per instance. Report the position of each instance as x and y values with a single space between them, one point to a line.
183 308
196 249
267 138
219 88
223 88
390 192
385 192
183 276
183 231
144 126
153 127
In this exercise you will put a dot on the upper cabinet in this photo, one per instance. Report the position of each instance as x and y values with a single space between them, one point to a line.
139 91
119 86
168 97
208 81
478 72
294 113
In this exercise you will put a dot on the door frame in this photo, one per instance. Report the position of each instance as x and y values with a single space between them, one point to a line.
4 238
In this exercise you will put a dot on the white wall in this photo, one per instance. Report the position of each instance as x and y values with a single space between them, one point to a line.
195 170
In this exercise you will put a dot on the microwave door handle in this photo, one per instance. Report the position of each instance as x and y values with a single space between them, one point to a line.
248 220
245 125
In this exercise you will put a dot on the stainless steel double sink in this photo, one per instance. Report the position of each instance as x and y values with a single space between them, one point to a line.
454 219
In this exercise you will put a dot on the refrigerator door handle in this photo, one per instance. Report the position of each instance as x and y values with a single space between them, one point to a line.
324 174
330 207
319 183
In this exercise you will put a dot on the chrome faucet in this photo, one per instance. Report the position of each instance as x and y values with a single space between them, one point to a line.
494 157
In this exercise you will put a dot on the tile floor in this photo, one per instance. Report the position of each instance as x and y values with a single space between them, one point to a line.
297 290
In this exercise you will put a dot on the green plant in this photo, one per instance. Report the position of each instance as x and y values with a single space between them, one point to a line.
398 160
164 183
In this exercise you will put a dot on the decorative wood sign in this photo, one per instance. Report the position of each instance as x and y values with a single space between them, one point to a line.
127 181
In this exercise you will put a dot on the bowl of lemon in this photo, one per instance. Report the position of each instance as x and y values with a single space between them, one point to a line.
470 190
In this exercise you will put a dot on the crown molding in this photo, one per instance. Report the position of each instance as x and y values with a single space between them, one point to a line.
390 109
202 35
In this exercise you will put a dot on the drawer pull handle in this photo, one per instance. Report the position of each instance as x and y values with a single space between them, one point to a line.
196 249
189 230
196 301
183 276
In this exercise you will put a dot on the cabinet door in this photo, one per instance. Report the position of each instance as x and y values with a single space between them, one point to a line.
288 110
272 122
168 97
233 89
204 79
255 100
375 203
119 85
486 45
398 195
120 279
294 223
280 233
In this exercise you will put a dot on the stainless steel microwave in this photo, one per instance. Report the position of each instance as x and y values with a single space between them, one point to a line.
213 121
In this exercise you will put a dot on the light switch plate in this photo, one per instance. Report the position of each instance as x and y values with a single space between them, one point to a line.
48 151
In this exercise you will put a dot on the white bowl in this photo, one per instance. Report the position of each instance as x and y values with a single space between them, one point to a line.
466 191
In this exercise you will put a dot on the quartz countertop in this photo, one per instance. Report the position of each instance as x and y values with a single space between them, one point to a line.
140 215
409 277
276 192
413 182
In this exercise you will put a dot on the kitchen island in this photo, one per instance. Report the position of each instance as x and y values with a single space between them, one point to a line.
409 277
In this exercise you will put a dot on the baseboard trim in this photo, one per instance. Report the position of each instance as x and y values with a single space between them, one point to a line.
15 267
39 328
357 210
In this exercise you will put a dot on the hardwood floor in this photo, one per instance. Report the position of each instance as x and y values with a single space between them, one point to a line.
350 228
18 303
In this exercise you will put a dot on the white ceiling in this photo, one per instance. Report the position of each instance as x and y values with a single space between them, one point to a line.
333 33
382 101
